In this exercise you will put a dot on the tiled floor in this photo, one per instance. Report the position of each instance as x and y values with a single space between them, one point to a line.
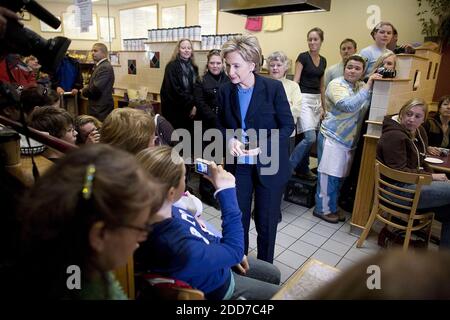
301 236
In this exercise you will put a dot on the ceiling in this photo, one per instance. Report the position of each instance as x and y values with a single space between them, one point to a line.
100 2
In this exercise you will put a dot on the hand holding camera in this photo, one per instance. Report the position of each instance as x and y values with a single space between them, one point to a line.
93 137
387 73
218 176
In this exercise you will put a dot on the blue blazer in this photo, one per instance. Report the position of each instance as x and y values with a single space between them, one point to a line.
268 109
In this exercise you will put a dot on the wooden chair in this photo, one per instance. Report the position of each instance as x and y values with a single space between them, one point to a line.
398 202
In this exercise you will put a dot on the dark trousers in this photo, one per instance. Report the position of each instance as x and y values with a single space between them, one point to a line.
267 209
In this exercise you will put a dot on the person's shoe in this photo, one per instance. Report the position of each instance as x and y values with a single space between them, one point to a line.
331 217
306 176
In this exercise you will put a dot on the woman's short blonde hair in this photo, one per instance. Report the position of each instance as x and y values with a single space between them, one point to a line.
128 129
414 102
163 164
248 48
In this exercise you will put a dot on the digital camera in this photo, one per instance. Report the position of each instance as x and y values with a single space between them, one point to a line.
202 166
387 73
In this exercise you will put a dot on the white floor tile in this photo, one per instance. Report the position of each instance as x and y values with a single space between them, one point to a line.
303 248
253 231
303 223
335 226
308 215
278 250
284 240
345 227
323 230
288 217
286 271
293 231
213 211
344 238
292 259
326 257
336 247
284 204
356 255
314 239
344 264
296 209
252 224
281 225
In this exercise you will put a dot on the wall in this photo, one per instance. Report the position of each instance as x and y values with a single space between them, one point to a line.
57 9
347 18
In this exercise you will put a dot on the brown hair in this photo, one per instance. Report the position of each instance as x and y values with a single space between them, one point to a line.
248 48
82 120
52 120
404 275
353 42
57 220
442 100
163 164
129 129
319 32
211 53
379 26
356 57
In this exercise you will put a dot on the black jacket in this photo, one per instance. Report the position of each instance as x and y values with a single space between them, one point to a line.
177 101
205 92
433 127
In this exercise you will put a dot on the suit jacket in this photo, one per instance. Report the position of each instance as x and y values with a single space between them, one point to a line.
100 90
268 109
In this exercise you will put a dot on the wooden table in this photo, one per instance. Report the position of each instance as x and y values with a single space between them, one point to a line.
306 280
441 167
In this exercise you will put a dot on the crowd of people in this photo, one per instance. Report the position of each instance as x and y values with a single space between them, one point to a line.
123 191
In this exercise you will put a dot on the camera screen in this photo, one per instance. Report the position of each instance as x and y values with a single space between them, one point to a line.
201 167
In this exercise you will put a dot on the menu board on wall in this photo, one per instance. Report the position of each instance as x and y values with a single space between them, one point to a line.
207 16
135 22
72 31
173 17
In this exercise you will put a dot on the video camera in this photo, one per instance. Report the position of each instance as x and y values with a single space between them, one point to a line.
26 42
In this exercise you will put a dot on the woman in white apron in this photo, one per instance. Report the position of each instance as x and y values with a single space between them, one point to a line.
347 100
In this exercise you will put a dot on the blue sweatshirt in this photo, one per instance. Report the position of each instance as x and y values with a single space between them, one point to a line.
178 247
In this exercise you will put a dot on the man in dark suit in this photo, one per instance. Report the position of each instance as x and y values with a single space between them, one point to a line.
100 88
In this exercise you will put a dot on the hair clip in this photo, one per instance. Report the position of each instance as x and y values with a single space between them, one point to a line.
88 180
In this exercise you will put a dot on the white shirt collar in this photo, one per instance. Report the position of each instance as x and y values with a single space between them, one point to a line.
101 61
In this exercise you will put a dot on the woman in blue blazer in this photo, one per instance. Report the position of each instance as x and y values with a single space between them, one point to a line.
256 121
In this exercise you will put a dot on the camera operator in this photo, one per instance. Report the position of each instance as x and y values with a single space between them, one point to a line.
6 14
385 65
